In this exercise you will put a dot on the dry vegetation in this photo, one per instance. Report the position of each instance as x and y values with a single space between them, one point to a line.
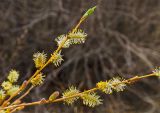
123 39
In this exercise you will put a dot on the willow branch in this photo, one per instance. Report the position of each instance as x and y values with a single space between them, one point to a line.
46 64
128 81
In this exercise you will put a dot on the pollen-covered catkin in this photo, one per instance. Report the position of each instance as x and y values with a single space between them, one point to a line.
77 37
57 59
70 92
6 85
13 76
60 39
115 84
39 59
38 80
91 99
13 90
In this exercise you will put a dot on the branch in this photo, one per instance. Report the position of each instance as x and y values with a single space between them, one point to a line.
43 101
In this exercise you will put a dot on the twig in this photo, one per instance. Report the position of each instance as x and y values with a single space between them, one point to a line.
25 94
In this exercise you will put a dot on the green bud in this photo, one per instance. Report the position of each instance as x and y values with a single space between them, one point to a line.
89 12
53 96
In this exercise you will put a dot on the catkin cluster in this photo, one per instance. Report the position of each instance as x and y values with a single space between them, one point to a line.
9 87
91 99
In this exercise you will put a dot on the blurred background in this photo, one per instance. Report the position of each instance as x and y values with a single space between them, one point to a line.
123 40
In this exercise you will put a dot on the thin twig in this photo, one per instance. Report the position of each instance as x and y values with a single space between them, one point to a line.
25 94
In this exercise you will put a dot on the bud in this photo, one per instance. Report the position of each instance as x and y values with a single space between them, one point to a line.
43 101
53 96
17 102
89 12
20 108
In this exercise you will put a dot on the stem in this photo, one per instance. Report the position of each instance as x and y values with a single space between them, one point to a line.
47 101
134 79
76 95
16 93
23 104
25 94
128 81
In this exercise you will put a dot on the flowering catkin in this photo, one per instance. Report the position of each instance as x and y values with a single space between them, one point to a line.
39 59
13 90
77 37
57 59
6 85
38 80
13 76
60 39
91 99
70 92
115 84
